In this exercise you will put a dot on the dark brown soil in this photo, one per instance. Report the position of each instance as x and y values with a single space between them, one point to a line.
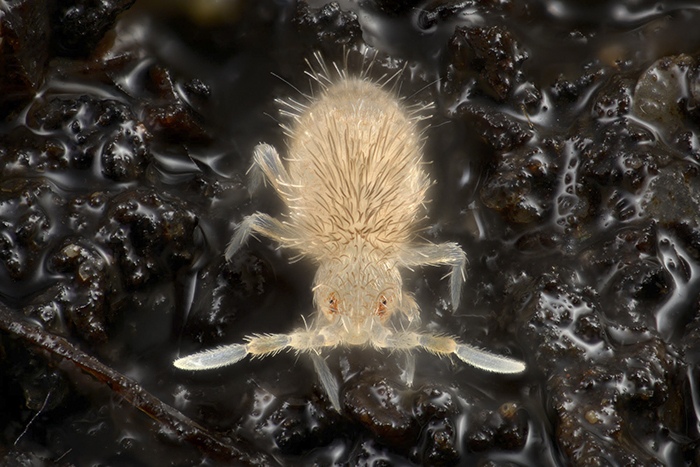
565 147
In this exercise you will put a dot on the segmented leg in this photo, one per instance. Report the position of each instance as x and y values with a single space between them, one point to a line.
409 371
330 385
434 255
443 345
267 163
263 224
409 308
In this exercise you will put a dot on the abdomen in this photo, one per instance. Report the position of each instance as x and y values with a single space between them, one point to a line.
355 155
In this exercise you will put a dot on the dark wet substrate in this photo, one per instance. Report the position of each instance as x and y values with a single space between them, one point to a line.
564 143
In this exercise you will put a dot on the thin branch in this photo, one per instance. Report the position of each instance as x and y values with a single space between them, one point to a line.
212 444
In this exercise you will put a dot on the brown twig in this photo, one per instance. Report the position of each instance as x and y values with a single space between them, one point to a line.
209 443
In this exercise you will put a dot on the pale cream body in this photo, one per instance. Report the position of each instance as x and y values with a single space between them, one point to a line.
355 192
355 186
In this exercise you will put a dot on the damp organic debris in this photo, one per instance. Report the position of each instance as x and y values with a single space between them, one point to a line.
559 155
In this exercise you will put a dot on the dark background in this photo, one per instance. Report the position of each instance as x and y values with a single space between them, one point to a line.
564 147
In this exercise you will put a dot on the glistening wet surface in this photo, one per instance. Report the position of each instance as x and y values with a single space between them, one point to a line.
564 146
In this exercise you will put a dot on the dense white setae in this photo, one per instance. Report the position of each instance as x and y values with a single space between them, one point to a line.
354 184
